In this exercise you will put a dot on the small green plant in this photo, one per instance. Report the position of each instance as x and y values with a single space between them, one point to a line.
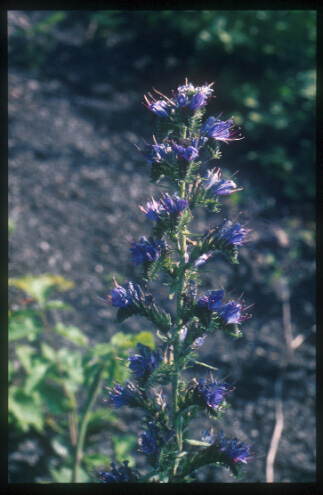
53 389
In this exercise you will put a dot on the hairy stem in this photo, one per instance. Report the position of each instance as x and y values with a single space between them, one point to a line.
176 420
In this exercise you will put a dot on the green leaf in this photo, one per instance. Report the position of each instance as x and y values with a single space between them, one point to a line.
24 325
48 352
102 349
40 287
54 398
96 461
24 354
26 409
127 341
123 445
11 370
71 365
38 375
62 475
72 333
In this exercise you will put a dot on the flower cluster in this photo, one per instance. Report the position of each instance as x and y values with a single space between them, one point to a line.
230 446
126 396
229 312
211 393
221 131
218 186
232 234
168 205
147 250
145 362
124 474
123 298
188 97
151 440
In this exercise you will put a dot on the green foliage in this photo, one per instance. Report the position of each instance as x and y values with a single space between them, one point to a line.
48 385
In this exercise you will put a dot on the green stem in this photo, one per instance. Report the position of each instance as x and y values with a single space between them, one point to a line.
84 423
177 425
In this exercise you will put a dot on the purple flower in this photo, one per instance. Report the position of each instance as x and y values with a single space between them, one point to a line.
231 312
212 299
120 297
147 440
236 452
152 440
155 153
160 107
218 186
182 334
189 153
217 129
187 88
122 475
212 392
174 204
125 396
199 341
154 210
208 436
232 234
198 100
145 362
181 100
146 251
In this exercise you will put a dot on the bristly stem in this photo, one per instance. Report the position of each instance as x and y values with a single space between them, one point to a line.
176 420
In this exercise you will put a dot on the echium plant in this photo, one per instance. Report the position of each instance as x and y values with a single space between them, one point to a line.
165 438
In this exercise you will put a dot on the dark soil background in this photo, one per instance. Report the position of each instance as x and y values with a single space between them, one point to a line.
75 183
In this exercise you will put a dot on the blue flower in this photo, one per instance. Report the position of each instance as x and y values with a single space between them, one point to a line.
120 297
152 440
219 130
125 396
212 299
232 234
181 100
189 153
147 440
208 436
218 186
198 100
145 362
231 312
122 475
212 392
236 452
155 153
146 251
174 204
160 107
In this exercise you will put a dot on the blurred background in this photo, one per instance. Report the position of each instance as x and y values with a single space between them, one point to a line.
76 83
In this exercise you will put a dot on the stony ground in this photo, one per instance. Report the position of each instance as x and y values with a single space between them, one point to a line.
75 180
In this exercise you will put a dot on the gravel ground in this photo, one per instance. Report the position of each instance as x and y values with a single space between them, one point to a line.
75 180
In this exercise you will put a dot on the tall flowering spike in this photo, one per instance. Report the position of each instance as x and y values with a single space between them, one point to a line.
125 396
218 186
232 234
212 392
219 130
145 362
